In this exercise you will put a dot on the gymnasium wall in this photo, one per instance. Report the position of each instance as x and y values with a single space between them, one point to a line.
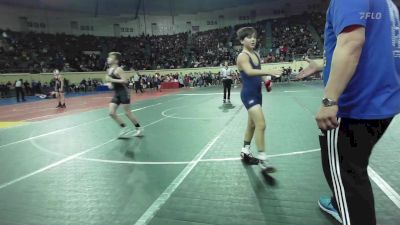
58 22
76 77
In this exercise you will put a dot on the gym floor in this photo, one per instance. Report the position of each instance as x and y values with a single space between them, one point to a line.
68 167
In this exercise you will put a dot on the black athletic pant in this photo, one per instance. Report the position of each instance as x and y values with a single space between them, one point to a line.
227 87
138 86
20 92
345 155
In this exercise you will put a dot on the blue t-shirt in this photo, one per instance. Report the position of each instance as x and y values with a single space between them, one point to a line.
374 90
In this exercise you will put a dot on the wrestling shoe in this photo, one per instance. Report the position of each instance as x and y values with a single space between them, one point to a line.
266 166
248 157
139 132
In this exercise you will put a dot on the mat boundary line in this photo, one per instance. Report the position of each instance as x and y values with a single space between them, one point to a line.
67 159
160 201
384 186
68 128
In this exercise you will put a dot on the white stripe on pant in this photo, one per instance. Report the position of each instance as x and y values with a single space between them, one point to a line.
336 174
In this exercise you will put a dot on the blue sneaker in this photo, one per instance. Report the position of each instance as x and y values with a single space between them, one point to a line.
325 203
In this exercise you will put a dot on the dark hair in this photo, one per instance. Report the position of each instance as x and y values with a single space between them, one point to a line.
117 55
244 32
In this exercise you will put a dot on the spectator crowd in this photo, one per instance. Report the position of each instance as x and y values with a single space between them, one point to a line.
209 48
40 52
292 38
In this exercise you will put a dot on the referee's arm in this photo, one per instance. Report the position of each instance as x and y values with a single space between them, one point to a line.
344 63
345 60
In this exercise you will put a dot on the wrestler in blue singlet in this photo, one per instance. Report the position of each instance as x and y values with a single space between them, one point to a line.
251 88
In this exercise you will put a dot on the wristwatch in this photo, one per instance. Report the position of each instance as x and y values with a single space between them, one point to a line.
326 102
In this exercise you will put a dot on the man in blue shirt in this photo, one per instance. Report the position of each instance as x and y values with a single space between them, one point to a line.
362 95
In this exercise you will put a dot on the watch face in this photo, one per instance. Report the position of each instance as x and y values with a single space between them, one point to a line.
325 101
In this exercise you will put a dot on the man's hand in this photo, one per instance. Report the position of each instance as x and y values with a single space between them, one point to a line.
312 68
327 117
274 72
108 78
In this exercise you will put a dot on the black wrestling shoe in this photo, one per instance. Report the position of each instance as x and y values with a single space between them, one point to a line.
266 166
248 157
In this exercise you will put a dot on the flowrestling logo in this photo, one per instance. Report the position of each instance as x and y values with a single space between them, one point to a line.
370 15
